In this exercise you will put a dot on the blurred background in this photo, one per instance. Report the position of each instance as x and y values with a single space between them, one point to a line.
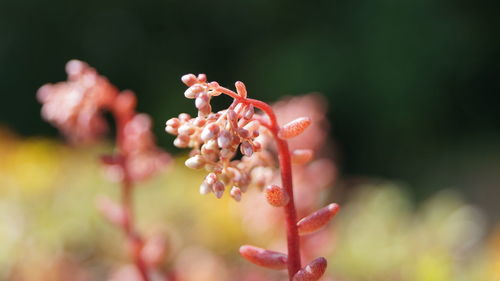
412 88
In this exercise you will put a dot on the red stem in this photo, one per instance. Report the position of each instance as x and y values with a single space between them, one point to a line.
293 238
127 187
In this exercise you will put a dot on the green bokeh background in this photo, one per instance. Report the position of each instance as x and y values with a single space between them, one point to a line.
413 85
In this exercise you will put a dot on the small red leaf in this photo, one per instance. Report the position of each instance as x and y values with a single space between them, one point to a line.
312 272
318 219
263 257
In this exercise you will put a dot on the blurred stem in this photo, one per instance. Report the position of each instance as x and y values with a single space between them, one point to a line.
127 188
293 239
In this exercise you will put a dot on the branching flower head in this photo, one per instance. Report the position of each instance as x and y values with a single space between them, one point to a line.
216 139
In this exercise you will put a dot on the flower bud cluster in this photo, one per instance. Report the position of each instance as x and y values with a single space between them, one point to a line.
216 139
74 106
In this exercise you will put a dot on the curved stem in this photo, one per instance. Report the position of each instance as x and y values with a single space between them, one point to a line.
293 239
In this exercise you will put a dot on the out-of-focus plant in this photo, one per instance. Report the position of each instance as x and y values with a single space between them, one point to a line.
215 139
77 108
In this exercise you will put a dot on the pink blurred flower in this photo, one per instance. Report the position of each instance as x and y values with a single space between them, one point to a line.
74 106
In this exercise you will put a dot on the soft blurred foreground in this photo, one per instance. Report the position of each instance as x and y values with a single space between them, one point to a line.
51 230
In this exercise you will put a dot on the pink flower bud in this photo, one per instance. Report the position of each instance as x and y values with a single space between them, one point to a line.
318 219
248 113
202 78
226 153
201 100
294 128
246 148
276 196
173 122
205 110
224 139
184 117
186 129
232 118
264 258
182 141
209 132
113 212
252 126
193 91
236 193
243 133
205 188
219 189
189 79
199 122
211 178
301 156
195 162
312 272
241 89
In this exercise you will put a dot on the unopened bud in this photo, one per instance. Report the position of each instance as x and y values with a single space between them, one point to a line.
209 132
246 148
301 156
211 178
318 219
224 139
201 100
264 258
173 122
312 272
241 89
248 113
205 110
294 128
276 196
219 189
193 91
189 79
236 193
252 126
186 129
184 117
202 78
205 188
195 162
182 141
243 133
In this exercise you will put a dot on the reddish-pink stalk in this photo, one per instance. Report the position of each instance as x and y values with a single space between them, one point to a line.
293 238
134 239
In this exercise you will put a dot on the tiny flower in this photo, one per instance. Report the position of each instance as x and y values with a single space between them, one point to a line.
209 132
313 271
236 193
219 189
186 129
224 139
182 141
205 188
195 162
246 148
263 257
189 79
294 128
276 196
